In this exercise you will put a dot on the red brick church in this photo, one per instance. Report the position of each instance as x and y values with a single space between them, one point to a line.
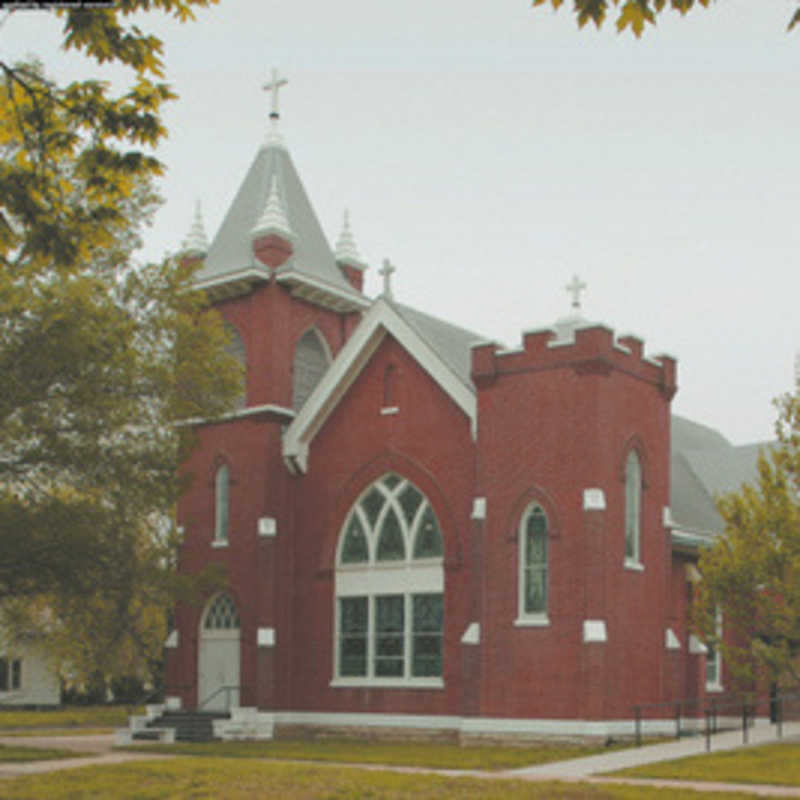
422 529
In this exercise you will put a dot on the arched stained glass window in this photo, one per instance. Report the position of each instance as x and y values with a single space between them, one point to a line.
533 565
310 362
221 510
221 614
389 589
633 509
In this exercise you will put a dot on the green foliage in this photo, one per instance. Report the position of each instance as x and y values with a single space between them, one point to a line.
74 719
10 753
634 14
100 357
751 573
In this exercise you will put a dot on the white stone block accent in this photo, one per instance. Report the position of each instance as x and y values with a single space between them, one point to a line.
479 508
696 647
267 526
266 637
472 635
671 641
594 500
594 630
172 639
666 517
173 703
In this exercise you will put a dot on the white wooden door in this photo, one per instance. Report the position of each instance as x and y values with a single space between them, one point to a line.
218 660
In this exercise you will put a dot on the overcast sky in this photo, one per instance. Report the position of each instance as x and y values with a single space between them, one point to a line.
491 151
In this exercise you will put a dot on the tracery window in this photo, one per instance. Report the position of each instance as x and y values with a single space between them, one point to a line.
533 566
310 363
389 589
633 509
221 614
221 492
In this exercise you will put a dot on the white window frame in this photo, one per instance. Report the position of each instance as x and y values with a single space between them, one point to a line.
372 579
222 484
633 508
531 618
714 656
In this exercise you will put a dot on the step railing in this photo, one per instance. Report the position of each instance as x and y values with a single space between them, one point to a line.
227 690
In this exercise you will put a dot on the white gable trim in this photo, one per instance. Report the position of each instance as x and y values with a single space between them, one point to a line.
379 320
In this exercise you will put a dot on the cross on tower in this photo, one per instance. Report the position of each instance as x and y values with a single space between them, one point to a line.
273 87
575 287
386 271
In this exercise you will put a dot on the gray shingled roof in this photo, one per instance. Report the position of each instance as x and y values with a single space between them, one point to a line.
705 465
451 343
231 250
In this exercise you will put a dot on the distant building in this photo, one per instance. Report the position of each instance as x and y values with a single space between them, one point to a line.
423 529
27 677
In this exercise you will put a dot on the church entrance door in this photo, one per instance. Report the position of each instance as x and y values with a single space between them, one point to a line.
219 656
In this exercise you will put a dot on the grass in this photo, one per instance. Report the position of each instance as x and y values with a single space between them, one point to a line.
18 754
71 717
235 779
434 755
776 764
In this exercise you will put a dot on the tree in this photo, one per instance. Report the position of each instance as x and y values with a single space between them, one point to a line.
752 572
635 14
100 358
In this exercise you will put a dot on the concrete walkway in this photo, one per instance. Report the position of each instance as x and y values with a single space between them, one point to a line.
97 750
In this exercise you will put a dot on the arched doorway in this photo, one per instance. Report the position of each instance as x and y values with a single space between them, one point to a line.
219 656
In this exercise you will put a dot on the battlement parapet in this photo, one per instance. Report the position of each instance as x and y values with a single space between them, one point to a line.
591 349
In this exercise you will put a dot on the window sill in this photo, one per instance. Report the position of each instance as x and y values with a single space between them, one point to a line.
540 621
388 683
715 687
388 411
636 566
219 543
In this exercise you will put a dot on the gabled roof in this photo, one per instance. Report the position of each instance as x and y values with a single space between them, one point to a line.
230 255
426 340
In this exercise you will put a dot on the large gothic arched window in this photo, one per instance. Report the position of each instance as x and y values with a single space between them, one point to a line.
310 362
533 566
389 589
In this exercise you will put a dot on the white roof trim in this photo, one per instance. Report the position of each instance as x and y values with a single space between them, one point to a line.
241 413
255 274
379 320
325 290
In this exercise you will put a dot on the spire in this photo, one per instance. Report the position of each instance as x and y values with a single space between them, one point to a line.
273 218
346 250
195 245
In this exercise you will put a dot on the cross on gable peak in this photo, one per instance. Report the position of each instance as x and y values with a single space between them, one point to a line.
386 272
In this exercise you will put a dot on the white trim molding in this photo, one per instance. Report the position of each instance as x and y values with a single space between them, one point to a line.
267 526
380 320
479 508
472 635
671 641
696 647
266 637
173 639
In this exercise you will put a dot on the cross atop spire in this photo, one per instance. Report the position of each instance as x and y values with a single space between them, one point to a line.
386 272
273 86
575 287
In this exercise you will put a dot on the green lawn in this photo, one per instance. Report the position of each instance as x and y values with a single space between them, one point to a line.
347 751
777 764
71 717
8 753
237 779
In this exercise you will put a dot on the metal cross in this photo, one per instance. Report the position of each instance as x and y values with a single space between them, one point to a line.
575 287
273 87
386 271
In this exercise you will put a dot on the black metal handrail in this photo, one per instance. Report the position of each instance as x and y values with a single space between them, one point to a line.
227 689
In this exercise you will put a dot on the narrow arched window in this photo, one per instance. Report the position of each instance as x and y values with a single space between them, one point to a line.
533 565
633 509
389 589
310 363
236 349
389 381
221 491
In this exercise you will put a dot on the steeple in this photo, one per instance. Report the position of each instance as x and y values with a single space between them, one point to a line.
195 245
347 255
565 326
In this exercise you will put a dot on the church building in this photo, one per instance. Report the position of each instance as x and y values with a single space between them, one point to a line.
423 530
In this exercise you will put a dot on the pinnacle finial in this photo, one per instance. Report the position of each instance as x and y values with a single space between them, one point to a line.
386 272
196 242
346 250
273 218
